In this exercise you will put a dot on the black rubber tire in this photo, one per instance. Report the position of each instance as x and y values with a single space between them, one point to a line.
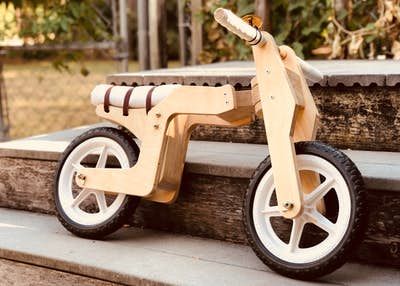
129 204
355 229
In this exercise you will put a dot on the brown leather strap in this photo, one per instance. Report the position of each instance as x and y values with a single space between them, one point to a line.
148 99
125 107
107 100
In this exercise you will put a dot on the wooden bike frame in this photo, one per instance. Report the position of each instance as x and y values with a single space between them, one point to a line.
279 92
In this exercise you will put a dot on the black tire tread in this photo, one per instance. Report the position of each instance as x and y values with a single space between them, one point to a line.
353 235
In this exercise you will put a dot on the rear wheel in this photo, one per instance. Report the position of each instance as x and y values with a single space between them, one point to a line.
316 242
92 213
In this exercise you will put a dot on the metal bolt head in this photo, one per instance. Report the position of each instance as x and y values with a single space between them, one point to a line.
288 205
81 178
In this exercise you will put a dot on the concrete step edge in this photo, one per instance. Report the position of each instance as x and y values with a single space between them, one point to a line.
380 169
142 257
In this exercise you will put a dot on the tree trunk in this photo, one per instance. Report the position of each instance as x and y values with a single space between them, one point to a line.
123 30
157 34
182 33
263 10
143 34
197 31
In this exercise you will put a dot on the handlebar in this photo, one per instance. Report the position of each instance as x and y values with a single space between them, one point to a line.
239 27
254 36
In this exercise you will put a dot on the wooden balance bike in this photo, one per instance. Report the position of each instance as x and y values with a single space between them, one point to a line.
303 210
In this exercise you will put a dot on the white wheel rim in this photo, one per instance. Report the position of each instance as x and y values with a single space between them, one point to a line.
103 147
291 252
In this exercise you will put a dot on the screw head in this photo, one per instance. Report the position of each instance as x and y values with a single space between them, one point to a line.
288 205
81 177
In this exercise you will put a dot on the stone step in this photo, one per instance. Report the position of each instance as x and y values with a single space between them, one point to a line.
358 100
357 117
25 274
215 179
135 256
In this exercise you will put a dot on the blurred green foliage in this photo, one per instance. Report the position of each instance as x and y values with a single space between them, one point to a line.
300 24
296 23
313 28
365 29
54 21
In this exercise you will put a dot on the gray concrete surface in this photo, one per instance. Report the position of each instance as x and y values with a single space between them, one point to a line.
21 274
380 169
143 257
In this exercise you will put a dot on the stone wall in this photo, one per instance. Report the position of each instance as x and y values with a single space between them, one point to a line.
357 117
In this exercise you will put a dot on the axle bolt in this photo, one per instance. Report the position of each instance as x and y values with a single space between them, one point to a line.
288 206
81 178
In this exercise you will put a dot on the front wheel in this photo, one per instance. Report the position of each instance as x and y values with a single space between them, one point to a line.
320 239
93 213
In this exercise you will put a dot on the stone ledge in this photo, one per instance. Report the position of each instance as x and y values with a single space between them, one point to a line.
336 72
144 257
238 160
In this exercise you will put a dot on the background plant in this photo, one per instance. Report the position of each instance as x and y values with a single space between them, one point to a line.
49 22
37 22
313 28
365 29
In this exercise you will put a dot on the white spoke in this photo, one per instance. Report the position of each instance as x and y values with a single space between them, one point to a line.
77 167
101 201
319 191
272 211
295 235
322 222
80 198
291 249
86 206
101 162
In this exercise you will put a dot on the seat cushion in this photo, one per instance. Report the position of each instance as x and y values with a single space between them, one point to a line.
138 96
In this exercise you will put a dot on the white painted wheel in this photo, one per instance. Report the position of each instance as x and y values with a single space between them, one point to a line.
327 230
291 251
91 213
100 148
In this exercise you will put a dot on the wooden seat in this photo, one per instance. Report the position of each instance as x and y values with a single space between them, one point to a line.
137 98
